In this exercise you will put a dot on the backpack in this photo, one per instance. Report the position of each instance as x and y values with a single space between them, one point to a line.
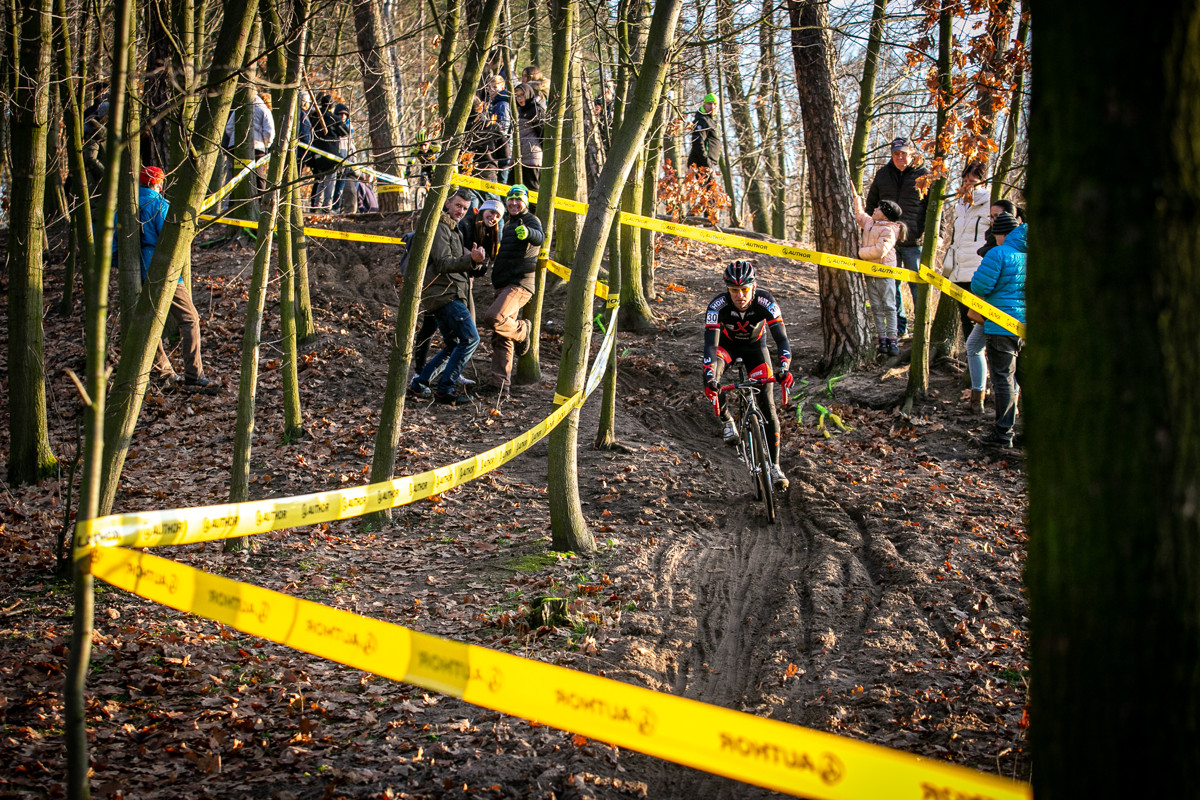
402 267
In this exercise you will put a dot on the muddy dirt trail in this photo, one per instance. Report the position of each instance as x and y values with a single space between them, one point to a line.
884 604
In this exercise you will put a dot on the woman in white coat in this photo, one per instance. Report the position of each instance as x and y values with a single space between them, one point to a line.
971 221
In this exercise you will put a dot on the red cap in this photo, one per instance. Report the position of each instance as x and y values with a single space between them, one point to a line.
150 176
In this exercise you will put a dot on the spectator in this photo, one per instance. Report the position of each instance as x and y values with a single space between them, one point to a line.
537 81
881 231
499 113
152 215
705 152
262 134
962 259
481 228
513 279
95 131
483 141
897 181
333 138
304 130
368 198
445 296
1001 206
531 121
1000 280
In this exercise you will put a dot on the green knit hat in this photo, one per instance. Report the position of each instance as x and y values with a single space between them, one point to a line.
519 191
709 98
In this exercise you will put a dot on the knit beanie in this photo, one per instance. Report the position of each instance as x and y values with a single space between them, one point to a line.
1004 224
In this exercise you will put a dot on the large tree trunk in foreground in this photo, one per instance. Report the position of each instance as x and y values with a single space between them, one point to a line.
843 296
29 457
569 531
379 85
1114 449
383 462
185 194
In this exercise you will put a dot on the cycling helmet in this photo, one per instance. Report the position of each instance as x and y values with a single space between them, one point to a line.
739 273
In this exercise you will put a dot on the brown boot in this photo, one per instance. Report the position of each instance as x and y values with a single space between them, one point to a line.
975 405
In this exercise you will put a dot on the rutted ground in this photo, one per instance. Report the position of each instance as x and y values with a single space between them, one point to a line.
885 603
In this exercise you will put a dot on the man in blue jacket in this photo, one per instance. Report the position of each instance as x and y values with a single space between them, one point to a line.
1000 280
152 215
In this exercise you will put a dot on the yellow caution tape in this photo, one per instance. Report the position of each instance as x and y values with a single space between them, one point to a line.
319 233
741 746
560 399
564 272
224 191
1006 321
699 234
209 523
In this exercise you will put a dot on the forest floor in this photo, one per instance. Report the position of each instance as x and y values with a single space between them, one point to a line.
885 604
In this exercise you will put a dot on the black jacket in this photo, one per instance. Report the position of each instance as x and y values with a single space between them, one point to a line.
901 187
517 260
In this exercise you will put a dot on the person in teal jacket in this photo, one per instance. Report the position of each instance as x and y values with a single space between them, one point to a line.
152 215
1000 280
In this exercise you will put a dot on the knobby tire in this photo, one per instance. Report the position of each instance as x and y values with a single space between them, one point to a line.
760 464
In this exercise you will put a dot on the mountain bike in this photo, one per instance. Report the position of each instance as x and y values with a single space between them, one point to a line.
748 420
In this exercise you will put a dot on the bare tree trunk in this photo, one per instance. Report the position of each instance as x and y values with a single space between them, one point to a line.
445 81
569 531
923 295
281 154
81 215
185 195
843 318
129 230
29 457
572 179
95 288
379 87
866 97
383 463
748 161
650 201
1000 187
563 21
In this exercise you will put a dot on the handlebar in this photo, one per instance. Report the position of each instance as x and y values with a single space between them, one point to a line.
755 383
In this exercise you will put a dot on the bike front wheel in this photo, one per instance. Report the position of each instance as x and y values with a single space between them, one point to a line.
760 465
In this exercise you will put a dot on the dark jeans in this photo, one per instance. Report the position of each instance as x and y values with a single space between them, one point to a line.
907 257
1006 373
424 338
461 339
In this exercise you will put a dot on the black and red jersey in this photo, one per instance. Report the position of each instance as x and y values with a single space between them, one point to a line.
728 329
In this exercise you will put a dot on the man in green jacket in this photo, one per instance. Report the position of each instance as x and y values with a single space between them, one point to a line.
447 286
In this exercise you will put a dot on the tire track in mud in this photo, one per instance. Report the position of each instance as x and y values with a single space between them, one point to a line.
734 605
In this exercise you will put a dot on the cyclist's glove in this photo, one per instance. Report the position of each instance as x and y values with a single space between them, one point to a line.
786 380
711 390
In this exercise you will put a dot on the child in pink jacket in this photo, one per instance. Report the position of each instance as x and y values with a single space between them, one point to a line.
881 231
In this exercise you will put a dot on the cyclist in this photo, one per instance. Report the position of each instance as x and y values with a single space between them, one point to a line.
733 328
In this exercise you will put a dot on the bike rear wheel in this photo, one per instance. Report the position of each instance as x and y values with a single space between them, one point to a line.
760 465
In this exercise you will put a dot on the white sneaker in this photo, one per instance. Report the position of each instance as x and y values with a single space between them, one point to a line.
778 479
730 434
